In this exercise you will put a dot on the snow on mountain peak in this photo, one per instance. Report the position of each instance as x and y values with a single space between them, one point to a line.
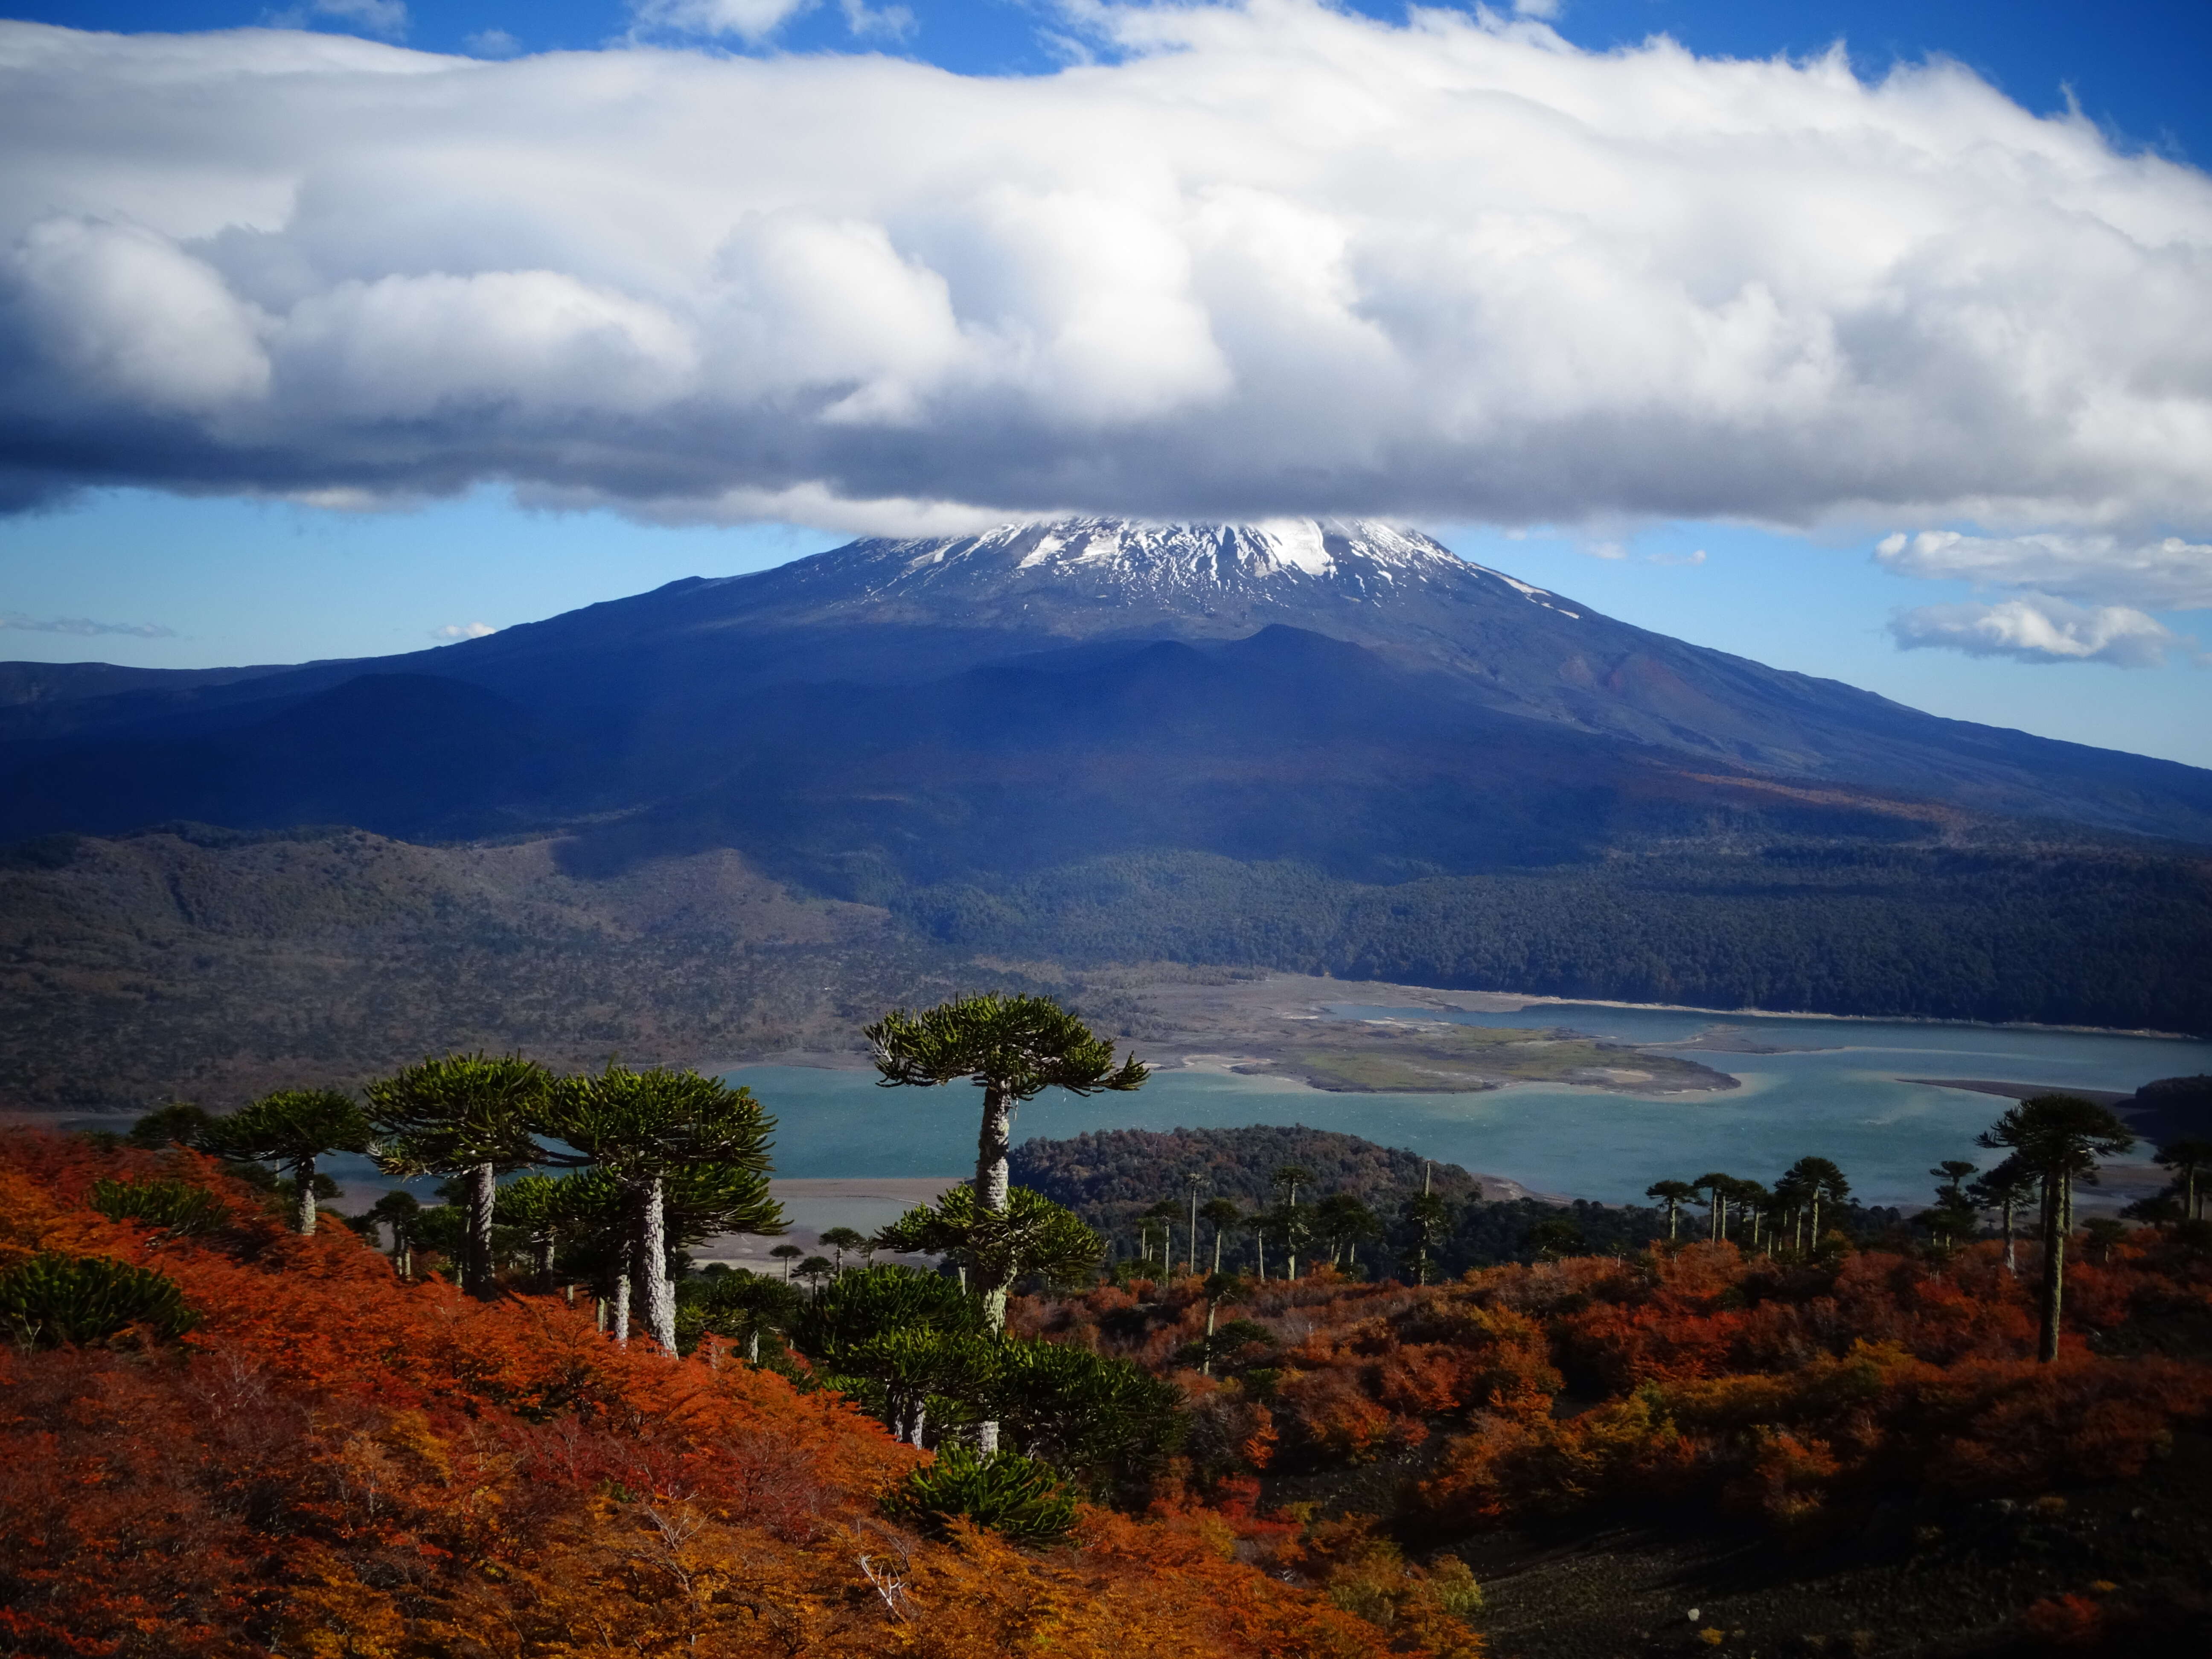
1279 566
1356 553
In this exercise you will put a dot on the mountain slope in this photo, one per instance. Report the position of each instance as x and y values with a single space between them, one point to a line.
647 699
904 612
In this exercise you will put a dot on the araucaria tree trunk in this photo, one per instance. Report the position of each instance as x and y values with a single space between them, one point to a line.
993 1146
652 1266
2057 1219
484 1195
304 1173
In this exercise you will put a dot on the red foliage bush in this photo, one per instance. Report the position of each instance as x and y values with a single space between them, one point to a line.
1779 1388
336 1463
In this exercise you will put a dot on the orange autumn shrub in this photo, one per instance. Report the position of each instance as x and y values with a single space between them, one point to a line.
1783 1387
1506 1468
1786 1443
335 1463
1366 1573
1338 1420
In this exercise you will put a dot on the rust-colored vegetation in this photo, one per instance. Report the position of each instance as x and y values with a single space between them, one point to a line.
333 1462
1787 1390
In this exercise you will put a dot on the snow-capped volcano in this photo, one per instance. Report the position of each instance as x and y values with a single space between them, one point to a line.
1345 693
1360 553
1090 576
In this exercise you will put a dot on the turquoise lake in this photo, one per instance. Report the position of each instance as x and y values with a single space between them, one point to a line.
1837 1093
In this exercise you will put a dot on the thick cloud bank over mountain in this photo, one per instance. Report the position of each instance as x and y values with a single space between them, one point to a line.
1271 260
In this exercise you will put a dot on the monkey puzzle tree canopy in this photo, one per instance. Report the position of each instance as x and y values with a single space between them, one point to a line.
1012 1048
2058 1138
292 1127
463 1114
648 1130
1032 1236
179 1123
2189 1159
1673 1194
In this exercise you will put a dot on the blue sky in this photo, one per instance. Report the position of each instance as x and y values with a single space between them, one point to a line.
2137 65
168 569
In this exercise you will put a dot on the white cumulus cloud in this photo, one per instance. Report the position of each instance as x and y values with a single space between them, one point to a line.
2166 574
475 630
1259 259
752 21
2037 627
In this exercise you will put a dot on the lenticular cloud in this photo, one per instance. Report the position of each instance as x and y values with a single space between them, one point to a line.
1272 259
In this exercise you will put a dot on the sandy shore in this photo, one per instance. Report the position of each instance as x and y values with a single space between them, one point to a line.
2021 1091
815 1206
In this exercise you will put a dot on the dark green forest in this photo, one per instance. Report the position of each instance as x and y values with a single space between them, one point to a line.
2087 936
1112 1177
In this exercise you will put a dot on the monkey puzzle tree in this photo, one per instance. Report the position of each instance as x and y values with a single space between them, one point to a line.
1292 1227
841 1239
534 1203
1343 1222
292 1128
1952 1214
179 1124
1032 1236
1673 1194
2058 1139
1220 1215
1817 1178
1714 1186
2188 1159
1750 1201
400 1212
466 1115
1012 1048
1164 1213
1425 1220
1951 1172
1195 1180
647 1130
2003 1189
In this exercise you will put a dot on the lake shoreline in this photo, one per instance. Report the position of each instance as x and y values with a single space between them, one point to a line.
1322 992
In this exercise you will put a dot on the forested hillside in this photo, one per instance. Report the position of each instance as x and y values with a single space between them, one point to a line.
1398 1211
197 963
2070 934
204 964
